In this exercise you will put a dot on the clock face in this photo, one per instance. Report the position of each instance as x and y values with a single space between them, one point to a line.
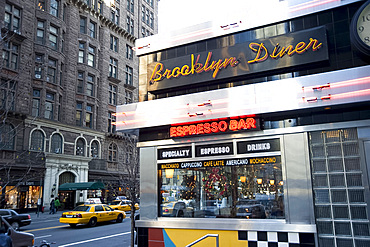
363 25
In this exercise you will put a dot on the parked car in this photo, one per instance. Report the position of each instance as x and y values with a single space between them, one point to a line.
91 214
15 220
18 238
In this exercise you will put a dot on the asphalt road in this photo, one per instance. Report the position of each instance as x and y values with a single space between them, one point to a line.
47 227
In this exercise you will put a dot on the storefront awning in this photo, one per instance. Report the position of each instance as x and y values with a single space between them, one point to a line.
82 186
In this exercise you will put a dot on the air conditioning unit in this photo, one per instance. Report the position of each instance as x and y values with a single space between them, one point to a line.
57 150
48 78
38 76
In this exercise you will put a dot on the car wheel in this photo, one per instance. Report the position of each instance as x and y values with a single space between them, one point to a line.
92 222
15 225
73 225
119 218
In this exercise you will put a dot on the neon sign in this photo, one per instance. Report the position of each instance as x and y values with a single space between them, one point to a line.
194 67
240 59
213 127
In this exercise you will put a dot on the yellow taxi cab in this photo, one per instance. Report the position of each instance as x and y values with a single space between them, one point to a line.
91 214
124 205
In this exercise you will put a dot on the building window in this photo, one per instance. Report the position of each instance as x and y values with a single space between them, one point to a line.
41 5
40 33
12 17
115 16
61 74
112 152
7 136
52 71
91 57
129 97
49 106
89 116
94 149
80 147
112 94
130 25
113 65
111 120
143 32
130 6
62 41
90 85
54 7
147 16
92 29
129 52
39 64
81 52
10 55
79 114
53 38
7 95
100 6
36 102
114 43
151 20
56 144
129 75
143 13
83 25
80 82
37 141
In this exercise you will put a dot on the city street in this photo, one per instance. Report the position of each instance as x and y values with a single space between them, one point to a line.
47 227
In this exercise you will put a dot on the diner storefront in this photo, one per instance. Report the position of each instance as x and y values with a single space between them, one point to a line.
256 134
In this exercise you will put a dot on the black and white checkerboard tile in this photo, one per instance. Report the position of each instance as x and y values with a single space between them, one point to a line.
276 239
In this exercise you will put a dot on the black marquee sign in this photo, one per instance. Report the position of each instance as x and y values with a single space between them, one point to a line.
292 49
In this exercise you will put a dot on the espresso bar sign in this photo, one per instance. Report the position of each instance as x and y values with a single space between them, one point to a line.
259 146
261 55
174 153
214 149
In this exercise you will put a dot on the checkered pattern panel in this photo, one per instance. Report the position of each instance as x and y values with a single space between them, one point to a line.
277 239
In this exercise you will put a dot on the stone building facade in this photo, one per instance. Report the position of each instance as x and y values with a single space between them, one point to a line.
65 65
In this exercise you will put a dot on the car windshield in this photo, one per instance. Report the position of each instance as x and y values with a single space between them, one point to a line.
82 208
115 203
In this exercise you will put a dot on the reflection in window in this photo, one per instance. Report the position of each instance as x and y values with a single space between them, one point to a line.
56 144
37 141
244 191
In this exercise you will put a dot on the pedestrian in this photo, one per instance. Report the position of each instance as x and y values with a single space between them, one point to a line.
56 204
52 205
5 240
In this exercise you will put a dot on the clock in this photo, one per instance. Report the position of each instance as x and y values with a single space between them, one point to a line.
360 29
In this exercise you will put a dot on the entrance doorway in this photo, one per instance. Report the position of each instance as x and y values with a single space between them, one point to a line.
67 198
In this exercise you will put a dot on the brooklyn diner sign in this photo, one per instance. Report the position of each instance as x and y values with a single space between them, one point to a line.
293 49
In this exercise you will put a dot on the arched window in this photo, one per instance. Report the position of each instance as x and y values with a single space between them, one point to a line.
37 141
112 152
66 177
80 147
94 149
56 144
7 137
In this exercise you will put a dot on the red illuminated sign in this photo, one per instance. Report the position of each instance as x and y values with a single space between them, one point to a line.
216 126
